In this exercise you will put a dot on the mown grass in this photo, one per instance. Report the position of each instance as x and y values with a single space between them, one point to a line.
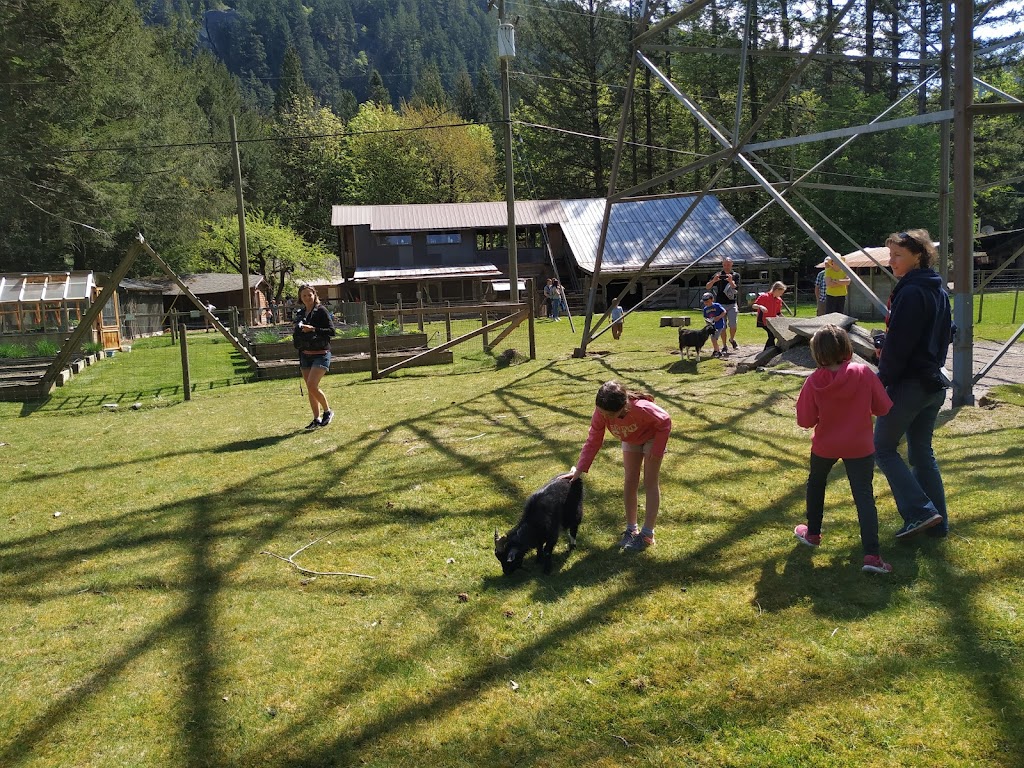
151 375
144 626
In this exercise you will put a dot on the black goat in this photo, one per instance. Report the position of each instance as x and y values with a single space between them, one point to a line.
689 339
557 505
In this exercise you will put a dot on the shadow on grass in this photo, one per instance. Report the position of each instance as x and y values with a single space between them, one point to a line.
836 589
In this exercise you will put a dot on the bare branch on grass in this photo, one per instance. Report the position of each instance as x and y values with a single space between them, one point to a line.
291 561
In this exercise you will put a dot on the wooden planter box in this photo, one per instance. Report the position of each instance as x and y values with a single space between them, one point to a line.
283 350
286 369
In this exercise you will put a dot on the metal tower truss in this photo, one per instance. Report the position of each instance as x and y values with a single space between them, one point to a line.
956 112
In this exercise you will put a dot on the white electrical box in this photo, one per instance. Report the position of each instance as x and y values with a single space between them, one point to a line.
506 41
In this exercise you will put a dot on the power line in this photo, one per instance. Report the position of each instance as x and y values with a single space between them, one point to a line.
345 134
606 139
614 86
222 143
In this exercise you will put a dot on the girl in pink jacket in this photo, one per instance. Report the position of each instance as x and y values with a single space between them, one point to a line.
643 428
838 400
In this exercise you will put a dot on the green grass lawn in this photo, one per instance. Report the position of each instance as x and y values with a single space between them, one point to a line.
145 625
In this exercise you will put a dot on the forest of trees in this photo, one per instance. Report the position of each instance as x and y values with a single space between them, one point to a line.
114 117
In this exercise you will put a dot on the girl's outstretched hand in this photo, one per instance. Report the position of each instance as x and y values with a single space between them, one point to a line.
571 475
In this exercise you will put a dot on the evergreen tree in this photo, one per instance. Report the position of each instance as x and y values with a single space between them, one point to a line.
488 98
102 134
576 56
464 99
291 88
429 90
378 93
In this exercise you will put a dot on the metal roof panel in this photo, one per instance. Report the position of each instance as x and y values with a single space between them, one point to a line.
637 227
445 216
467 271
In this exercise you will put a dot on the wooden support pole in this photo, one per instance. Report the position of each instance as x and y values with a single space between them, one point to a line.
531 308
186 378
371 320
513 324
446 345
74 341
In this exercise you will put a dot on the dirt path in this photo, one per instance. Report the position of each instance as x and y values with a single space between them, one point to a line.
1009 369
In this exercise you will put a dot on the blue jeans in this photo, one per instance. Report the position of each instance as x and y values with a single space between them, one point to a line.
860 472
917 489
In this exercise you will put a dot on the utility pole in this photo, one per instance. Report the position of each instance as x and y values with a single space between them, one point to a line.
243 248
507 51
963 203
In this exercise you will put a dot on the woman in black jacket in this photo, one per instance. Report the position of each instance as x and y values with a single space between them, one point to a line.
312 334
918 333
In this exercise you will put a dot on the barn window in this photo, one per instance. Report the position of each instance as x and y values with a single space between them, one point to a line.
394 239
444 238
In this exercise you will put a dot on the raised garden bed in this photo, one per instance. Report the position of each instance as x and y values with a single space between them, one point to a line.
20 377
286 369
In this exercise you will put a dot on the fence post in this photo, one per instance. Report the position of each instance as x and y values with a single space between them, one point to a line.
1016 295
401 320
448 322
174 327
483 322
234 321
421 312
981 306
371 323
530 308
186 380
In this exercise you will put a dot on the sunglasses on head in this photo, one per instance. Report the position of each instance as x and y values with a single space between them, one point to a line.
907 241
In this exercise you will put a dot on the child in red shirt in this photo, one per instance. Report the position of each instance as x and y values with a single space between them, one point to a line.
769 305
838 400
643 428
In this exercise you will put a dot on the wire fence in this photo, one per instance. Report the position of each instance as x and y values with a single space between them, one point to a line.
150 373
463 337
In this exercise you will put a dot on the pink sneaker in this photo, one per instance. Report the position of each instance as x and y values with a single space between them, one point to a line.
875 564
805 538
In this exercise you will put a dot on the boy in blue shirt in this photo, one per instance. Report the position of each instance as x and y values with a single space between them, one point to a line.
715 314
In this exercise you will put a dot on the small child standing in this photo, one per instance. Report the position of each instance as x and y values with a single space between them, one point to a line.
643 428
838 400
715 314
617 314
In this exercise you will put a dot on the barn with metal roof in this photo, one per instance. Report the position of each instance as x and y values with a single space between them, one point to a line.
441 252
